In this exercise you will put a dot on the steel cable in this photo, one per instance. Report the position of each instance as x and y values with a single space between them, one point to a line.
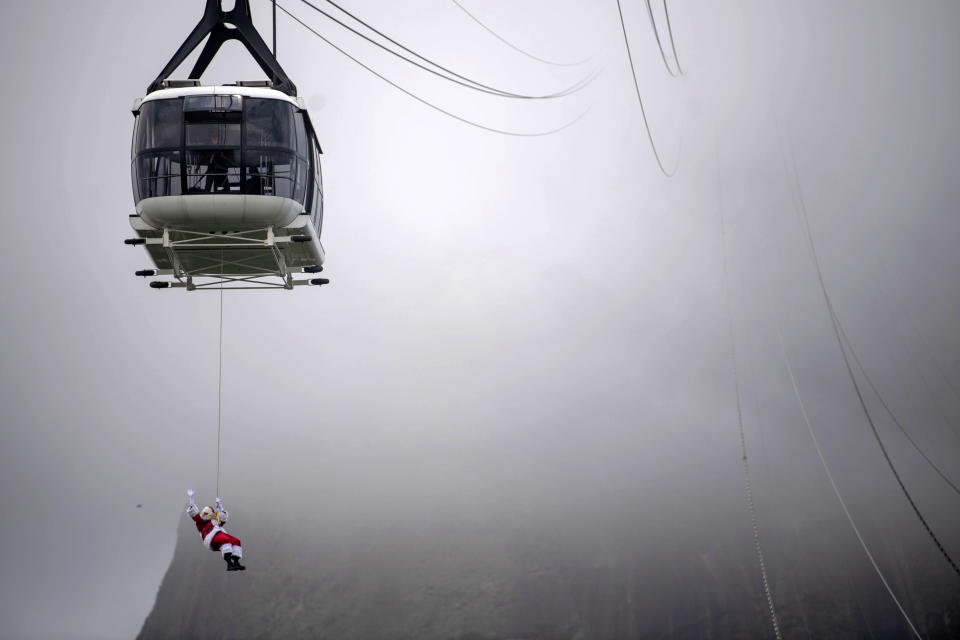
890 412
673 45
934 399
836 491
426 102
513 46
805 223
883 449
643 111
656 35
220 377
457 78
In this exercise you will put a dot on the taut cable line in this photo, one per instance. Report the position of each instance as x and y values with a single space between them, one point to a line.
833 485
448 74
808 234
220 377
890 412
513 46
427 102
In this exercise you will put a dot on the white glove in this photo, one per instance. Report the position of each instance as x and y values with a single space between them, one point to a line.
190 494
221 511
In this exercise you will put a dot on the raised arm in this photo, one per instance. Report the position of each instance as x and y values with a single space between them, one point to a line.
192 509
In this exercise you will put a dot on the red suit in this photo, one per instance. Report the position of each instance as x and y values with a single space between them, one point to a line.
216 538
210 525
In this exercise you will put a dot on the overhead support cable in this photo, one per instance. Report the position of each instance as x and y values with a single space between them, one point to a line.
915 359
426 102
673 44
833 485
656 35
805 225
513 46
751 506
883 449
444 73
643 110
890 412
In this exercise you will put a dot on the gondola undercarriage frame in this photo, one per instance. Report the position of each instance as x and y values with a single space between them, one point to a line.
250 259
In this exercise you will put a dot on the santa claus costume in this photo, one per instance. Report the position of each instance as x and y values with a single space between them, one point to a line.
210 523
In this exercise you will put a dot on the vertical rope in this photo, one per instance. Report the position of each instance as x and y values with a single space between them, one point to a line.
220 377
274 28
751 506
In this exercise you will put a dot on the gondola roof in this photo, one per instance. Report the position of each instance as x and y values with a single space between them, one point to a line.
220 90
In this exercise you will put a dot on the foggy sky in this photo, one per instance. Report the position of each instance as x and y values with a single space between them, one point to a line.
531 325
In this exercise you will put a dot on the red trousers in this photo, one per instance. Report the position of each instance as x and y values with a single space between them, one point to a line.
222 537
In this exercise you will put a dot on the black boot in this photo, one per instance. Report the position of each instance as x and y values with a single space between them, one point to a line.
229 557
235 561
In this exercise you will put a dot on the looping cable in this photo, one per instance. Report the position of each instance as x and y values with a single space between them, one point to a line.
444 73
427 102
643 110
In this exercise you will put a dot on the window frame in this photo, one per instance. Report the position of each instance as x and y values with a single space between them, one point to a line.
304 159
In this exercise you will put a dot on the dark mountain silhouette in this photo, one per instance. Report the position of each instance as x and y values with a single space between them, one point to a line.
518 577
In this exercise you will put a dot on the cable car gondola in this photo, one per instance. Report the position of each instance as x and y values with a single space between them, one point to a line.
226 178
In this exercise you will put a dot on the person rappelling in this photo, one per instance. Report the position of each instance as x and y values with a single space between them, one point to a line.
210 523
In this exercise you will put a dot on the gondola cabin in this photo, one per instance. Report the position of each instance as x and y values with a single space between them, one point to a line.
227 185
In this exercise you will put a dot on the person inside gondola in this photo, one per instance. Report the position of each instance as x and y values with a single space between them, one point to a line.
210 523
218 164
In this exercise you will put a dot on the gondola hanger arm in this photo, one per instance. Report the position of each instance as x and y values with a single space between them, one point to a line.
220 25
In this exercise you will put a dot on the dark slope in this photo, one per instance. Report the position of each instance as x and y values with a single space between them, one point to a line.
386 584
561 579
